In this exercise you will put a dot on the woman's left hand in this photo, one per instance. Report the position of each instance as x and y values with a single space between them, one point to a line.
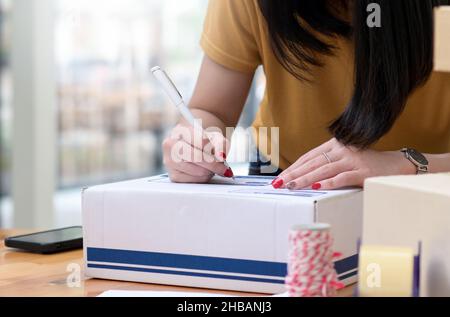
334 165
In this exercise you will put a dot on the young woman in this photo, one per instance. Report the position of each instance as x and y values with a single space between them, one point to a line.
347 97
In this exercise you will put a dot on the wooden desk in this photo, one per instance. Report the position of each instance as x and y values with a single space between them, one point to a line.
27 274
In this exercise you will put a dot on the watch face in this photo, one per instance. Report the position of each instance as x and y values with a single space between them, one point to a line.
418 157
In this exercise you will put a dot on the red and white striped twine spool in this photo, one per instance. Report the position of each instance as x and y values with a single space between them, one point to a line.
311 271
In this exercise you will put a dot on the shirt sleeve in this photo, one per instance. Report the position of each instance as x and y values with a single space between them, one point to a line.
229 34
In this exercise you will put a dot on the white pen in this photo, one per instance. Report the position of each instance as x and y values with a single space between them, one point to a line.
174 95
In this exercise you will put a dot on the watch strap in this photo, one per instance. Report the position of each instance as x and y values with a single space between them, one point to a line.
421 168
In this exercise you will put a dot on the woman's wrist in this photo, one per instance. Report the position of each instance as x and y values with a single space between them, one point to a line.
438 163
405 166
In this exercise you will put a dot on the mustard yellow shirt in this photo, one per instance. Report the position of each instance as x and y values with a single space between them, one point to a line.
235 35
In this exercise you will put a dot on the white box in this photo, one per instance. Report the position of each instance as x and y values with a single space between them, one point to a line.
405 210
209 236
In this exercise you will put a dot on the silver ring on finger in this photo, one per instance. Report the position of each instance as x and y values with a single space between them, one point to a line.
327 157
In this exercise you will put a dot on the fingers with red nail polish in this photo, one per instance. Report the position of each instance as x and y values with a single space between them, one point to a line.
229 173
277 183
316 186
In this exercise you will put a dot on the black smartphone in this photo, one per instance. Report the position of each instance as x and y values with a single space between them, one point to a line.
48 242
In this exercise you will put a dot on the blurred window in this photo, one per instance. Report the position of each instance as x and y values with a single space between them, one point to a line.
112 114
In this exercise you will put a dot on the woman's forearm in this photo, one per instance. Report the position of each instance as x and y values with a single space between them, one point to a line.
219 95
209 120
439 163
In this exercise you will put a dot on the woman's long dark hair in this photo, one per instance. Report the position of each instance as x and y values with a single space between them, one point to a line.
390 61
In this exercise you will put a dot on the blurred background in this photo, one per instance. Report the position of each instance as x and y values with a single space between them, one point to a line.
78 106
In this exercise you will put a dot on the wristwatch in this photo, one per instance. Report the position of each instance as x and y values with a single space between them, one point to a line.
418 159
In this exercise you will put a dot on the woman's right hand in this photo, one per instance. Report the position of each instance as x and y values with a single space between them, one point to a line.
192 156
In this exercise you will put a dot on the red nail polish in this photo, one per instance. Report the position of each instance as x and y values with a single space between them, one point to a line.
316 186
278 183
229 173
223 155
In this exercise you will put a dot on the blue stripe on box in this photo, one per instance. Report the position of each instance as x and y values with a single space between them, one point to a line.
201 263
347 264
189 262
195 274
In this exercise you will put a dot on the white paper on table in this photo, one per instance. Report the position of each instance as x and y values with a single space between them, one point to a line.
251 181
241 185
255 186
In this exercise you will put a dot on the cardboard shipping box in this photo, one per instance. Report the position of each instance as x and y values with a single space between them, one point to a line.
403 211
442 39
219 236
